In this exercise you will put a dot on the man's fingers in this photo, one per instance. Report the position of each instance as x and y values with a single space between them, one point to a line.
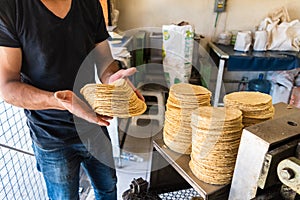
122 74
77 107
63 95
140 96
105 117
102 122
129 71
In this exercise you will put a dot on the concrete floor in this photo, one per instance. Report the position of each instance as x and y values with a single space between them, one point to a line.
138 142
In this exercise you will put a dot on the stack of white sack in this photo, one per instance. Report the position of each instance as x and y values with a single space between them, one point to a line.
282 34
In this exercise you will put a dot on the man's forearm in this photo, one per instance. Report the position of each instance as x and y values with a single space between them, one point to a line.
29 97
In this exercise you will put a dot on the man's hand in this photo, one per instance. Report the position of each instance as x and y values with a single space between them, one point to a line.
124 73
76 106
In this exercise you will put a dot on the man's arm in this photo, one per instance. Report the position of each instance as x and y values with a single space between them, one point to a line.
105 63
19 94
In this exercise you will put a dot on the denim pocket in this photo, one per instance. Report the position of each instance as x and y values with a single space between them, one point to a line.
57 165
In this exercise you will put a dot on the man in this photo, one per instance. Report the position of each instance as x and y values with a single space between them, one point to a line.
43 44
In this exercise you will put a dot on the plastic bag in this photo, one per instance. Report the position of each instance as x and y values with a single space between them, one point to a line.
260 41
295 97
283 35
243 41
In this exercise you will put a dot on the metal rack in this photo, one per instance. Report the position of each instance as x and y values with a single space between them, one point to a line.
181 164
19 177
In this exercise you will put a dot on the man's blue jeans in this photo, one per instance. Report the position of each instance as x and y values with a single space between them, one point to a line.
60 168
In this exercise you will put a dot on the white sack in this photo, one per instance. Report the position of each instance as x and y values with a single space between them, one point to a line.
178 53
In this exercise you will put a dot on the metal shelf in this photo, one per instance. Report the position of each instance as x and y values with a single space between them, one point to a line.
181 164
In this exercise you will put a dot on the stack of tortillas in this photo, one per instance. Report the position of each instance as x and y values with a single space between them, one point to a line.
183 99
255 106
216 133
116 99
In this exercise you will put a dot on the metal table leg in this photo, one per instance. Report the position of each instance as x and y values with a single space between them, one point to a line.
219 83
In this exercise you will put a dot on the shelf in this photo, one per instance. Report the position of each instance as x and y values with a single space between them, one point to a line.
181 164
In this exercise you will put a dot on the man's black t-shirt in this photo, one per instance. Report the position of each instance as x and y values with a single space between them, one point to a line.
53 51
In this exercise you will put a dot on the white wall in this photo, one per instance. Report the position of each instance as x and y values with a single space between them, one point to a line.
239 15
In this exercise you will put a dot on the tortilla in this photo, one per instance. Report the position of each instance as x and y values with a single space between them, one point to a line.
183 99
255 106
216 133
116 99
